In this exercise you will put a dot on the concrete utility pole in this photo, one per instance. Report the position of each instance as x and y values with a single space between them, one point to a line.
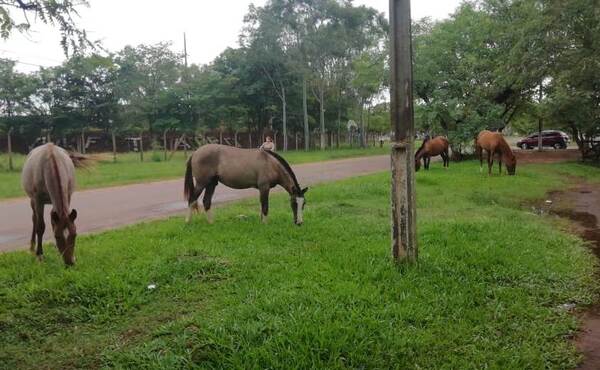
404 215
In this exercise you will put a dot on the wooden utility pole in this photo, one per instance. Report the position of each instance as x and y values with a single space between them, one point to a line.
404 215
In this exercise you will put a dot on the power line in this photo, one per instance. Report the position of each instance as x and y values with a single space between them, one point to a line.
25 63
30 55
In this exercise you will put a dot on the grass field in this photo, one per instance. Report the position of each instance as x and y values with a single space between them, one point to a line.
129 169
238 294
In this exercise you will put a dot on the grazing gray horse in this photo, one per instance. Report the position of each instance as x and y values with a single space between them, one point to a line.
240 169
49 178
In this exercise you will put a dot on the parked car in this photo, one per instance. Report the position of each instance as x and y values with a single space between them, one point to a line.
550 138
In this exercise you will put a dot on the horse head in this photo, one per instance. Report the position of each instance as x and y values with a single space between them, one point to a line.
511 166
511 163
298 202
65 234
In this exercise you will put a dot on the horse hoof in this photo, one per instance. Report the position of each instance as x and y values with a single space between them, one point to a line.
40 258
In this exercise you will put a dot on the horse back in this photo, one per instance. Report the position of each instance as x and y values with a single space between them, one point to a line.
49 173
235 167
436 146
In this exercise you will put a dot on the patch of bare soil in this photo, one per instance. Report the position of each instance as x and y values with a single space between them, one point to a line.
547 156
582 206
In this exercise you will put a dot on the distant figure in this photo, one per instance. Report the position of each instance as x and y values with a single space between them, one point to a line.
268 144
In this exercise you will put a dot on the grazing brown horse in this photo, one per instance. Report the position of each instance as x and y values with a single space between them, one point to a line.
494 144
431 148
240 169
49 178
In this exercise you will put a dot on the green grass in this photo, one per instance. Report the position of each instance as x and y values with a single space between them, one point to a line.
238 294
129 169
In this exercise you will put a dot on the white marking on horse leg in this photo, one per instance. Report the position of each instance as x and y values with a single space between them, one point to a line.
40 258
480 169
191 208
263 218
299 216
209 216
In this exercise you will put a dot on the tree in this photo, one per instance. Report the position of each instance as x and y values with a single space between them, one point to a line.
59 13
573 90
15 89
367 81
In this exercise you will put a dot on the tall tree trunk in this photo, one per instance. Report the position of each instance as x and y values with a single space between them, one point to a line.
322 116
339 126
142 146
296 141
305 112
363 133
9 144
249 139
221 136
184 140
235 138
114 145
83 140
540 123
165 143
285 134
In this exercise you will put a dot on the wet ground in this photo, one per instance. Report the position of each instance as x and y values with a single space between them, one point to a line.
581 205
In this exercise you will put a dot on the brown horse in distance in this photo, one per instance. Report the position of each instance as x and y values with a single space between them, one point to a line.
240 169
495 144
431 148
48 177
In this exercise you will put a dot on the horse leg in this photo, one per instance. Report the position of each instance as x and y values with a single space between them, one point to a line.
479 151
264 203
427 160
500 165
490 161
34 219
207 200
447 159
193 201
40 228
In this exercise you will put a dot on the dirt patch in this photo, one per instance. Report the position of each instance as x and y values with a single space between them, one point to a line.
547 156
582 206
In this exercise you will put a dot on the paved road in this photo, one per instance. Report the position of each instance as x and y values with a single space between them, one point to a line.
109 208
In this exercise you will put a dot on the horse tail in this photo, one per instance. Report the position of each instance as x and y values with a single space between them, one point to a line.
188 187
81 161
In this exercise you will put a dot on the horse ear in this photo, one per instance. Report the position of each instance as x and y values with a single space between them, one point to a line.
73 215
304 190
54 217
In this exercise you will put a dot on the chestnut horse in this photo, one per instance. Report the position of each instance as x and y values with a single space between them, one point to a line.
495 144
431 148
240 169
49 178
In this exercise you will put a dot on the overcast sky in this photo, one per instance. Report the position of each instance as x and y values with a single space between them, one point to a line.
211 26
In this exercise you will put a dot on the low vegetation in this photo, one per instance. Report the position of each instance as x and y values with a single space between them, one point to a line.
129 170
238 294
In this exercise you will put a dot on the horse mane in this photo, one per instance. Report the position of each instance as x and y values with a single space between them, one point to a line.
422 147
61 197
286 166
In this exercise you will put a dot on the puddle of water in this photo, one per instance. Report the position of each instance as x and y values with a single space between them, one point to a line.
576 204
